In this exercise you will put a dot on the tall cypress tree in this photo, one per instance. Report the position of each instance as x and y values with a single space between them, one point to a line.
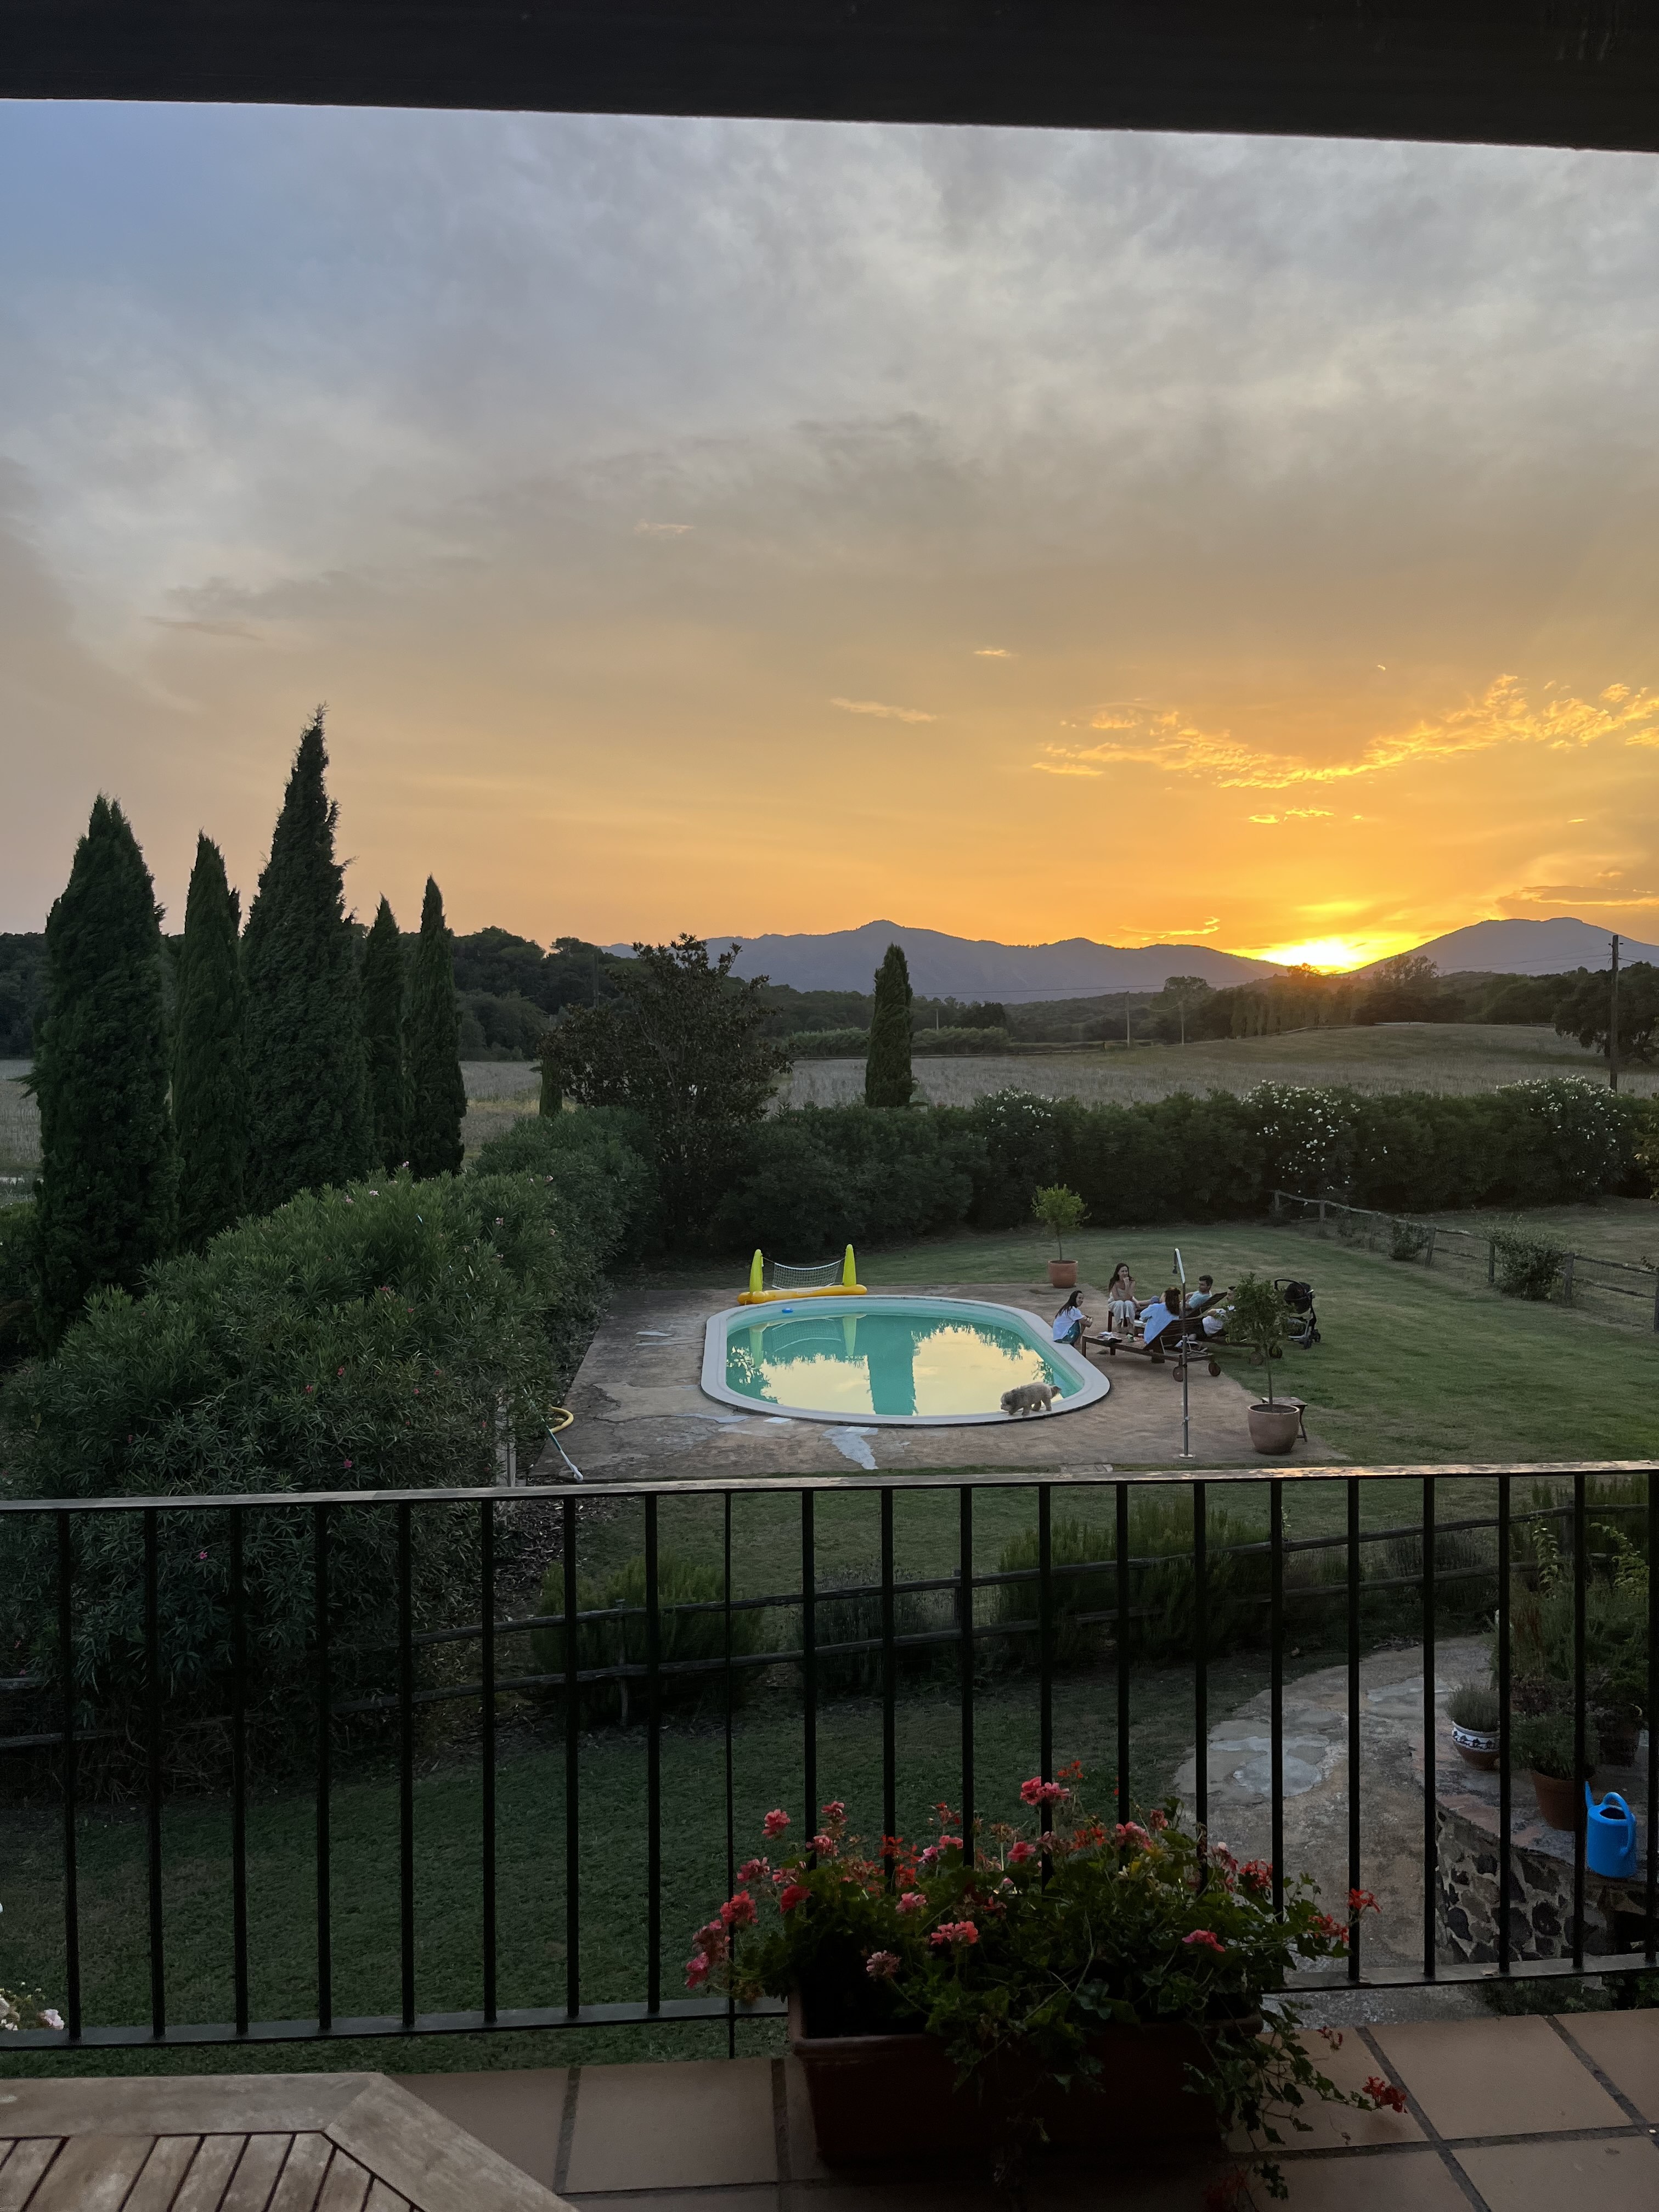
887 1079
437 1095
108 1202
210 1056
308 1119
383 1039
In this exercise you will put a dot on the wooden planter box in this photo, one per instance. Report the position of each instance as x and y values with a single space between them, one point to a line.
887 2096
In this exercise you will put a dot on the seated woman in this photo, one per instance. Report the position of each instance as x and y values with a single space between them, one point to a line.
1161 1315
1121 1306
1071 1323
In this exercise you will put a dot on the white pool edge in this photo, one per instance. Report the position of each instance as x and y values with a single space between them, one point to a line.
1096 1386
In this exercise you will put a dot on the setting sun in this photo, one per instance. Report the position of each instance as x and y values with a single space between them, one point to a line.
1333 954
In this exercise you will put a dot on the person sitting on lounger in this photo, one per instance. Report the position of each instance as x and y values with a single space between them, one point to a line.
1121 1306
1159 1315
1206 1304
1071 1323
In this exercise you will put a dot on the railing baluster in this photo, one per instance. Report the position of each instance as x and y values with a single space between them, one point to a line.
965 1668
572 1928
487 1714
1200 1664
1505 1848
1121 1630
652 1766
1045 1651
324 1732
1277 1679
66 1693
730 1803
1580 1824
1431 1803
238 1770
809 1660
1651 1901
888 1686
406 1760
1354 1856
158 1992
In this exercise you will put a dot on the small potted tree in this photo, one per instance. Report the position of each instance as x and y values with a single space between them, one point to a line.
1061 1211
1257 1318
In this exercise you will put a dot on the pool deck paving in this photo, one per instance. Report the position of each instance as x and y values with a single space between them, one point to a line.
641 1415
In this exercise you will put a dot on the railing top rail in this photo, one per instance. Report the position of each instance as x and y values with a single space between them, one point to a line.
1021 1479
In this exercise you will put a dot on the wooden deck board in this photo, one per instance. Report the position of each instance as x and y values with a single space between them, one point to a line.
156 2189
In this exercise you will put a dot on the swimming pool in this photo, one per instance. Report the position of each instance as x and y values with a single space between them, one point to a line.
888 1359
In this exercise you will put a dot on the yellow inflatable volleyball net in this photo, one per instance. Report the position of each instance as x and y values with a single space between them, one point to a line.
836 1279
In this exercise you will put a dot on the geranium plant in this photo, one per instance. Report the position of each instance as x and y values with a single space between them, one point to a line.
21 2009
1058 1927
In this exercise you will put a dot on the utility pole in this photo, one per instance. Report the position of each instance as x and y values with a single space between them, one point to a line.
1612 1022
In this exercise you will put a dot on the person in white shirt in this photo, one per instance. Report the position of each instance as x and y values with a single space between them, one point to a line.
1121 1299
1071 1323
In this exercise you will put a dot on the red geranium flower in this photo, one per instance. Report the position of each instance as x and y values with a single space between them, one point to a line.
1382 2094
790 1898
1205 1939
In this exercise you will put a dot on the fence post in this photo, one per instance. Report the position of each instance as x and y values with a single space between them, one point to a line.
1322 1209
1428 1256
1491 1262
1566 1279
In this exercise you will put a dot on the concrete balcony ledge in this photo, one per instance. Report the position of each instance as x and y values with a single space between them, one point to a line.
1511 2114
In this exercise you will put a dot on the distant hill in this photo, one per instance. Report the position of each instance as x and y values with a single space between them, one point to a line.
1528 948
943 967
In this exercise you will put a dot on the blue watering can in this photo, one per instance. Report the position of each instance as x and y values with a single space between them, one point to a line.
1609 1835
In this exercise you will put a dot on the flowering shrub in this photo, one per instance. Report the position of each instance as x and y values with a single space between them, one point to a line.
21 2009
1014 1960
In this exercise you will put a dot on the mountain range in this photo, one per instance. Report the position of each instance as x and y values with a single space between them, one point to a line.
945 967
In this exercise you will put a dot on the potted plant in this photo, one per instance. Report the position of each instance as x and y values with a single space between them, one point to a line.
1543 1743
1257 1317
1080 1982
25 2008
1473 1710
1061 1211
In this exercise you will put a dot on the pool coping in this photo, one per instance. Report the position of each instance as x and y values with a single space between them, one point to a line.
1096 1386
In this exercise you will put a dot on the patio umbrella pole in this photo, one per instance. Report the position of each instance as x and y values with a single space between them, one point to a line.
1180 1338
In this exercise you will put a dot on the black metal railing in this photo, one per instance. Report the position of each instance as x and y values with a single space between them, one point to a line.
107 1730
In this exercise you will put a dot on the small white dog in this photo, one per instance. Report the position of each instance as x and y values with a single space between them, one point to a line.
1030 1398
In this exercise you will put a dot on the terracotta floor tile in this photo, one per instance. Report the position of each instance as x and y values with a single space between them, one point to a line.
918 2195
517 2112
1330 2127
1543 2177
1495 2077
702 2123
1395 2181
1625 2046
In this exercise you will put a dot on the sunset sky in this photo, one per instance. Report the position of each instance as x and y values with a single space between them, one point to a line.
770 527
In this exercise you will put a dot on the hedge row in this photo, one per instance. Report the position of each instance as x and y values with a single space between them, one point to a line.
806 1181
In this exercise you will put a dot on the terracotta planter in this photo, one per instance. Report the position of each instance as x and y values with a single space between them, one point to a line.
1274 1428
1561 1803
1062 1274
885 2097
1476 1748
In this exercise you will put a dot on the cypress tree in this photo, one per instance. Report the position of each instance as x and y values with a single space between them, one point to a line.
383 1039
887 1079
437 1095
108 1195
308 1121
209 1060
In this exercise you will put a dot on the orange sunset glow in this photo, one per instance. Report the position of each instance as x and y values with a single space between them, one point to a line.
744 527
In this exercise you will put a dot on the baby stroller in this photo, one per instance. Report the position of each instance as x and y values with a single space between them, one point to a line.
1299 1297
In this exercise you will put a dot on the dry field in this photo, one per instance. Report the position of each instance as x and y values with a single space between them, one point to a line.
1449 1056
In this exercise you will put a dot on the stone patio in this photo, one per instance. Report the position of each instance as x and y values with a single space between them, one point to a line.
1506 2115
640 1411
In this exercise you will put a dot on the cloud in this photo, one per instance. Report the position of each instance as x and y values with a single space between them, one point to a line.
1296 814
882 712
661 529
1504 714
992 652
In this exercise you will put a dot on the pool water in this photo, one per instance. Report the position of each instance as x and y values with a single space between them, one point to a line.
923 1361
